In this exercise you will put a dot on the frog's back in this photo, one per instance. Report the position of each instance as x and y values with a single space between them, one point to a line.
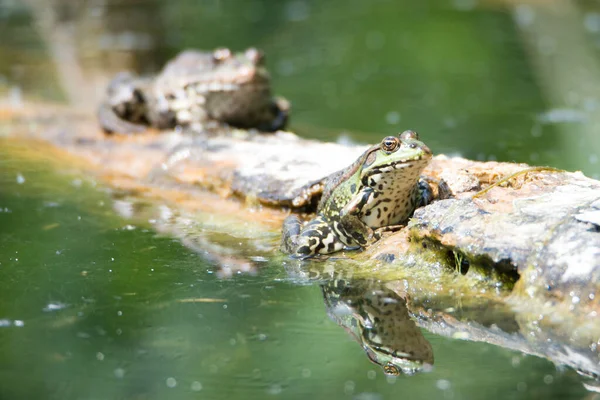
189 62
333 181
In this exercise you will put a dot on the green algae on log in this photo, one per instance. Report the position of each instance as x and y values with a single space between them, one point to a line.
536 237
535 226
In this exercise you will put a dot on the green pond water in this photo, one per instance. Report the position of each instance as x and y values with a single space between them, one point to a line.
97 303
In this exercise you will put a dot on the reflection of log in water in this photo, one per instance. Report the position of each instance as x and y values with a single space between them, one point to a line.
378 319
218 249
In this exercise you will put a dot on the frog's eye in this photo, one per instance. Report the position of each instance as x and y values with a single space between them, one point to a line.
221 54
409 135
390 143
391 369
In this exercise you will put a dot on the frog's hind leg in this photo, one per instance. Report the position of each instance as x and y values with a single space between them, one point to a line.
316 237
291 233
112 123
124 108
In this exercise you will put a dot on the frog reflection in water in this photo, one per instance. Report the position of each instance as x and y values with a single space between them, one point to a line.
196 88
378 319
380 190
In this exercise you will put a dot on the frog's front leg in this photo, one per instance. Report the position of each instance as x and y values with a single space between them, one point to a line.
356 231
358 203
316 237
350 221
279 112
161 112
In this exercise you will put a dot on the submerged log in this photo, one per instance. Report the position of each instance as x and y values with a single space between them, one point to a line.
532 243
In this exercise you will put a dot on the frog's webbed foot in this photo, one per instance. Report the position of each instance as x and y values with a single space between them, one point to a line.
316 237
280 110
379 232
356 231
429 193
444 191
352 248
112 123
425 193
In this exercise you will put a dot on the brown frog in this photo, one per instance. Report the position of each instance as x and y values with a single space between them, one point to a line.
196 88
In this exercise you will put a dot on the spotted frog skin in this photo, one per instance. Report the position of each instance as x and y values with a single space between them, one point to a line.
378 319
379 191
196 87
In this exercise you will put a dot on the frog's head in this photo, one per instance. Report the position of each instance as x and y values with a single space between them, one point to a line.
239 68
403 156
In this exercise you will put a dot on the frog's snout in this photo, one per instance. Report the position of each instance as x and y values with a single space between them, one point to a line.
426 149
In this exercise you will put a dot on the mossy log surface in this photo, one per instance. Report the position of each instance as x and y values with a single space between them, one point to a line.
536 236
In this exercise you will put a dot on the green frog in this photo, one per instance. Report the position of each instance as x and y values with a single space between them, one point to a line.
198 89
379 191
379 320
